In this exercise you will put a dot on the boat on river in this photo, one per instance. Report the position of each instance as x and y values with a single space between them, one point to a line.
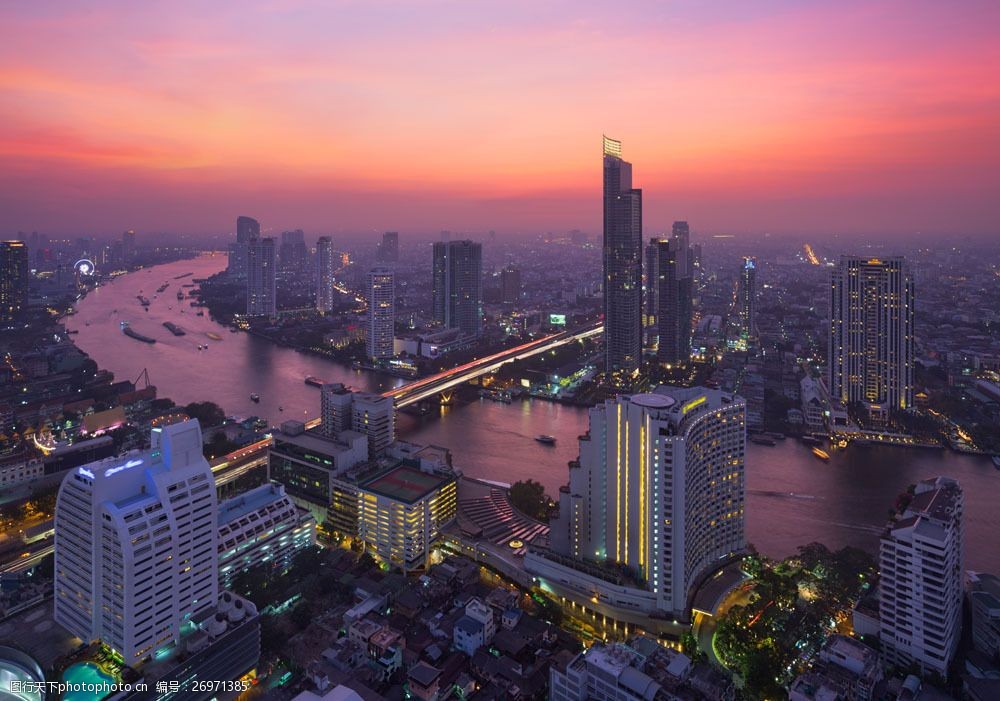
214 336
821 454
547 440
174 328
132 333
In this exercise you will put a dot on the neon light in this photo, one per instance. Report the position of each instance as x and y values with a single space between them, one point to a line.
694 403
85 472
114 470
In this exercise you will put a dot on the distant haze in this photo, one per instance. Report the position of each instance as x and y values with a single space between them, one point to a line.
857 118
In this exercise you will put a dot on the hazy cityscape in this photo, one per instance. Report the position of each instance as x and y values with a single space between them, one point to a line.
653 439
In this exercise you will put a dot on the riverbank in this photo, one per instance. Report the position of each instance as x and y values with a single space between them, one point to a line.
792 497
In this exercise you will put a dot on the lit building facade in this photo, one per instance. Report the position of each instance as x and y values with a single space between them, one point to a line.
748 297
13 279
261 278
309 464
622 263
920 590
136 544
325 265
658 489
401 513
871 334
381 323
458 285
262 525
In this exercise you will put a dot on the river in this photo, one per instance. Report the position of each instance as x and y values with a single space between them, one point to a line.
792 497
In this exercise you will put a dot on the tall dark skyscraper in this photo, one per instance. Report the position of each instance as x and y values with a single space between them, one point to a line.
293 253
510 285
622 263
261 278
673 284
13 278
128 247
458 285
247 230
748 297
388 250
871 334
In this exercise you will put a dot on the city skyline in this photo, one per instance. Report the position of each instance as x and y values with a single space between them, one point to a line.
850 119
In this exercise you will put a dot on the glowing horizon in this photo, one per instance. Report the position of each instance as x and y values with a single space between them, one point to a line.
818 117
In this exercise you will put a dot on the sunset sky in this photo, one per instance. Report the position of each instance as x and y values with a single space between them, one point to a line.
788 116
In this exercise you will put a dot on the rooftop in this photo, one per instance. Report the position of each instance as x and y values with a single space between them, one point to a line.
249 502
406 484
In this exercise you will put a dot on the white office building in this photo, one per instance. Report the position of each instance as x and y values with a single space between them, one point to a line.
261 526
920 591
324 274
658 490
476 628
381 323
604 673
136 544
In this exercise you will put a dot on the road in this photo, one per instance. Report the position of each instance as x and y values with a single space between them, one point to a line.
429 386
226 469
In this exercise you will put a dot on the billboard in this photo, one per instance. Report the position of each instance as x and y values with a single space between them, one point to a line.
557 319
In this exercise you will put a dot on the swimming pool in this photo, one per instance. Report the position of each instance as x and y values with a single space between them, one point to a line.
85 673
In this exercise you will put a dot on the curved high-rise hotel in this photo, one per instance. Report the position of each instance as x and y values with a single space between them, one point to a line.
654 504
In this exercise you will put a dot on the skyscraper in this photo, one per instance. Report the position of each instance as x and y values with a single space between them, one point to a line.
871 334
128 248
381 329
293 253
748 297
388 250
920 590
672 289
136 544
13 278
247 230
622 263
510 285
325 266
458 285
659 488
261 278
374 416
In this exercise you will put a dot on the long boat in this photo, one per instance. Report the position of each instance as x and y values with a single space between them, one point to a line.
132 333
174 328
315 381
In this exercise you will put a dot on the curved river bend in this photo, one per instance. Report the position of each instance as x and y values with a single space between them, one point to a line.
792 498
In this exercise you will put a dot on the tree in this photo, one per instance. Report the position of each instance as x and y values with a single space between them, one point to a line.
208 413
529 498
